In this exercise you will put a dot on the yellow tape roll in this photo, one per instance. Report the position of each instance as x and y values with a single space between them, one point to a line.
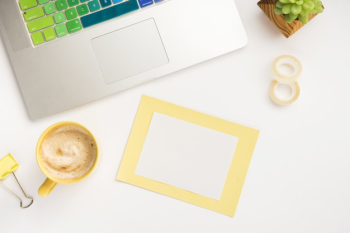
291 62
295 94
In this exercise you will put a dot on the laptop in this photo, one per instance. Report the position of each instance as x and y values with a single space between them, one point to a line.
66 53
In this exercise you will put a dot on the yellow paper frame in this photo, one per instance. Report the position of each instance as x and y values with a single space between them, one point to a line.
238 169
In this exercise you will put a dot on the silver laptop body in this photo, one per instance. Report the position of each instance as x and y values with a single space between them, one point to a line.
110 53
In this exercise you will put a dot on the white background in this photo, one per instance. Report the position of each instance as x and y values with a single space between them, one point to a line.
299 176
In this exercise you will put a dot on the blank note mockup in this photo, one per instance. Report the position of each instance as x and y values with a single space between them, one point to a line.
187 156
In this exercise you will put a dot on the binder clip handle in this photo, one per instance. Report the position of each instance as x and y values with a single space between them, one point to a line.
8 165
21 202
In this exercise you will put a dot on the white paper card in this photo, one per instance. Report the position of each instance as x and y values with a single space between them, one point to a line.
186 155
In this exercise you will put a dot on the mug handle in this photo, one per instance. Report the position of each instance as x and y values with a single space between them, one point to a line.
46 188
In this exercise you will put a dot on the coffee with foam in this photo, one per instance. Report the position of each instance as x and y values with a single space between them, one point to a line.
68 152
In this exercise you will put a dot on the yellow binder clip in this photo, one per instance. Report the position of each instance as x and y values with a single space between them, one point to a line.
8 165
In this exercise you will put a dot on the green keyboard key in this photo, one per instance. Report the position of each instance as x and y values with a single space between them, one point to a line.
50 8
33 14
71 13
74 26
59 17
49 34
61 5
61 30
94 5
82 9
26 4
73 2
37 38
40 24
43 1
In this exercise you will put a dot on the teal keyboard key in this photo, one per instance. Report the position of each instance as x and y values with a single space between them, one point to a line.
82 1
105 3
82 9
109 13
94 5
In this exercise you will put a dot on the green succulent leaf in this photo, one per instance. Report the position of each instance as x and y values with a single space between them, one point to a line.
285 1
318 4
279 4
296 9
308 5
278 11
313 11
293 16
286 9
319 9
303 19
288 18
304 12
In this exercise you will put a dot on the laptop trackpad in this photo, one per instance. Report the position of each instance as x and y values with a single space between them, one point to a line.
130 51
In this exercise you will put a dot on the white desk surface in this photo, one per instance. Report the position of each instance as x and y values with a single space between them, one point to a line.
298 180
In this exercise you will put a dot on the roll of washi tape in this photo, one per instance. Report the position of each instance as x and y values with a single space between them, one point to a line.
293 97
290 61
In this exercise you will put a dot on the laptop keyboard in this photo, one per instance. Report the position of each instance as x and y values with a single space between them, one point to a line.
48 20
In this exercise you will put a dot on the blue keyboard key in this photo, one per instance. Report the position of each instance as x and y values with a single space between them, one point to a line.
156 1
144 3
94 5
105 3
116 1
109 13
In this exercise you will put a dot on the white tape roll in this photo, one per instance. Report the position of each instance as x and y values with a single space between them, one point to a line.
290 61
294 96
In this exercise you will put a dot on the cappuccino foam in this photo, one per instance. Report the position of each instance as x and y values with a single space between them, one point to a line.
68 152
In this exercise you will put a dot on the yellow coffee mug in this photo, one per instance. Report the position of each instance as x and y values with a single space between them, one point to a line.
51 182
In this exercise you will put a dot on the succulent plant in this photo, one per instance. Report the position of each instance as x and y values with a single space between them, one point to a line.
298 9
